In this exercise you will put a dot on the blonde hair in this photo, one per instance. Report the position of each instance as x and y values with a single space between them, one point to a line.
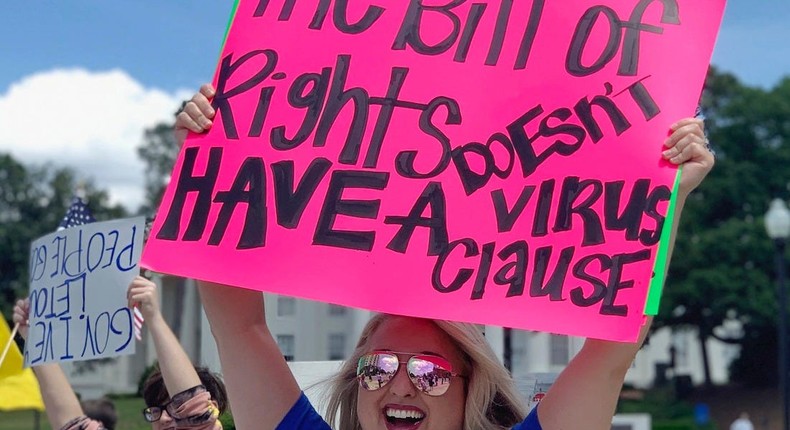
492 400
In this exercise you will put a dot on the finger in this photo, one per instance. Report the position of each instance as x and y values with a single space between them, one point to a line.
685 126
203 104
207 90
147 288
138 290
20 316
23 305
141 285
684 129
681 145
185 122
134 292
198 115
688 121
693 152
137 299
682 157
697 127
138 281
137 296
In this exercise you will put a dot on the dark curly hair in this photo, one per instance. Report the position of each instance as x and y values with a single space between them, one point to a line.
102 410
155 392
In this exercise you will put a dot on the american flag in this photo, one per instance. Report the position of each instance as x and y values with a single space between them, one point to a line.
79 214
138 321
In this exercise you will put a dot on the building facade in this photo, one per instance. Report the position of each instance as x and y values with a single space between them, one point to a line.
313 331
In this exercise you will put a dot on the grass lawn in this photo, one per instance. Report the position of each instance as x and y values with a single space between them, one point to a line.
129 417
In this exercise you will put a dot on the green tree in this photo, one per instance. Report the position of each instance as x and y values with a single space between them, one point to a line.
34 200
722 266
158 151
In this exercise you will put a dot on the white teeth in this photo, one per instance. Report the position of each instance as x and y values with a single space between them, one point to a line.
402 414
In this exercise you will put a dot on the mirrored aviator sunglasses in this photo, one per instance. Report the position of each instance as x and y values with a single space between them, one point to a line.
430 374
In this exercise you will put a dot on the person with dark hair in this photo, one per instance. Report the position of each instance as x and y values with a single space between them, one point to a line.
199 396
155 393
176 395
102 410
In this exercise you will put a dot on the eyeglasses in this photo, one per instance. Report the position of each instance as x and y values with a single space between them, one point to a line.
154 413
429 373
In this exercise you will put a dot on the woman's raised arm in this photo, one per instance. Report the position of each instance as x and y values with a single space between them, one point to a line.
260 384
585 394
261 387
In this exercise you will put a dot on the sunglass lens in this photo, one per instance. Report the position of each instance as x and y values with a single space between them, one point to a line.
152 414
430 374
375 370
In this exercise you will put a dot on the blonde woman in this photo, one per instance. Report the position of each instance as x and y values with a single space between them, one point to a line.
411 373
483 389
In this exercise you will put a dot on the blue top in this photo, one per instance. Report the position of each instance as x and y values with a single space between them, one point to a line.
531 422
303 416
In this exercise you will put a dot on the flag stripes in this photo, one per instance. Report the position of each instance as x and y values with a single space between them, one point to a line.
138 323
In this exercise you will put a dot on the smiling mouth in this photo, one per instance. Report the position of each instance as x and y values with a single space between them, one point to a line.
403 419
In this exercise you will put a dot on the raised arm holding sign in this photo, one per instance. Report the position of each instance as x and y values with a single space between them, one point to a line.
177 395
62 406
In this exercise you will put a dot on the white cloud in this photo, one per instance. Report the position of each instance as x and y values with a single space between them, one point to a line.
90 121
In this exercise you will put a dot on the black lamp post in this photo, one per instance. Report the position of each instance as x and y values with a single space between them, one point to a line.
777 224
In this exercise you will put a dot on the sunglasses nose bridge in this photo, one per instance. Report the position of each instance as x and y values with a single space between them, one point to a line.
401 384
165 418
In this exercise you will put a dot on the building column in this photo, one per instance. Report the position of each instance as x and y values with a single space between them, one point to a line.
496 338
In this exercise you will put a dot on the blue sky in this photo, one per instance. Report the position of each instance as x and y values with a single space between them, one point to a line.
153 53
162 43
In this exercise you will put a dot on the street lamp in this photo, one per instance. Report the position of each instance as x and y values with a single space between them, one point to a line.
777 224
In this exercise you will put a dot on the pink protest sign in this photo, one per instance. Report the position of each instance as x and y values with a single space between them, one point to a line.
487 161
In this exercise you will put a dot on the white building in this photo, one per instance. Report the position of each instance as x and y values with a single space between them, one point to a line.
535 352
313 331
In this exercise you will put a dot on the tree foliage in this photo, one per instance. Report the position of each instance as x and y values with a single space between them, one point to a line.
34 200
158 151
723 267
